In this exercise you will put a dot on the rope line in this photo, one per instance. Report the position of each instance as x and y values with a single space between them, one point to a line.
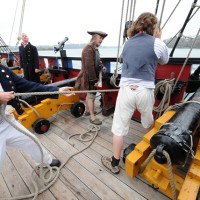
146 162
115 74
180 29
170 86
13 22
179 104
52 172
21 21
186 60
171 176
84 137
171 14
31 107
63 92
161 15
169 165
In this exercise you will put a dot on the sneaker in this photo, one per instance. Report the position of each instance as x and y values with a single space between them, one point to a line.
88 113
106 161
96 122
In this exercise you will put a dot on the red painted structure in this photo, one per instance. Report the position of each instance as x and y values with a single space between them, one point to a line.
108 99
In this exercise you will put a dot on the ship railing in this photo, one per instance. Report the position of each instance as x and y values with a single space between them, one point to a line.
4 48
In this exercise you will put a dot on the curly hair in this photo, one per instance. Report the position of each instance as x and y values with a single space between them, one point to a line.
146 22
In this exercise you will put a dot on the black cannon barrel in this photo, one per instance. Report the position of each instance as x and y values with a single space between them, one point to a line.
175 136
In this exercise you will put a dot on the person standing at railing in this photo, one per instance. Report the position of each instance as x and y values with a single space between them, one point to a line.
29 60
90 72
141 53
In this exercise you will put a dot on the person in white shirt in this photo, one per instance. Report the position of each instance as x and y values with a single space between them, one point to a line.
141 53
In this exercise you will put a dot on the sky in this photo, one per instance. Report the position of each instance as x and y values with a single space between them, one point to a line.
48 22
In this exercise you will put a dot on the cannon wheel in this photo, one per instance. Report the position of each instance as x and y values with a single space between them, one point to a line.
77 109
41 126
128 150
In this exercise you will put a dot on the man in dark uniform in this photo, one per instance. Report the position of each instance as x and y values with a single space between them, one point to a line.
29 60
9 136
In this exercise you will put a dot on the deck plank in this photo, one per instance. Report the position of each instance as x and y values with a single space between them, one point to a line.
93 155
83 177
14 182
77 167
4 192
105 130
57 191
25 169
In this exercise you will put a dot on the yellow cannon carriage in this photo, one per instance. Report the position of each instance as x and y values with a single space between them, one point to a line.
168 156
37 115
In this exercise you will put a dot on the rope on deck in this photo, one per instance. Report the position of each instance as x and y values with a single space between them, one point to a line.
52 176
52 172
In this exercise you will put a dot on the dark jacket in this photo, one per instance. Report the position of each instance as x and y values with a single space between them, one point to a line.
29 61
11 82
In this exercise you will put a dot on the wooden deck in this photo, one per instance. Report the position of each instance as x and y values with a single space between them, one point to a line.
83 176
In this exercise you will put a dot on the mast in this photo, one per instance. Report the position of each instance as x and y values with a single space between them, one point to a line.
184 25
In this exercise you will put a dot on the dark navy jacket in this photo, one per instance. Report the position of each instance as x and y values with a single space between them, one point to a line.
11 82
29 61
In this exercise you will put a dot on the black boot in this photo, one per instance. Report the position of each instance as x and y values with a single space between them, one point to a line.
55 163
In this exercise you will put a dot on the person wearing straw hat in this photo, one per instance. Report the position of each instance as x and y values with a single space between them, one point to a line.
90 70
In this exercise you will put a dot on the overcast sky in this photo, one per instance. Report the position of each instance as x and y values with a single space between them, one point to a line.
48 21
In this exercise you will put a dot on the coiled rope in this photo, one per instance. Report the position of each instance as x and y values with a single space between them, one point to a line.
35 139
164 87
52 176
167 87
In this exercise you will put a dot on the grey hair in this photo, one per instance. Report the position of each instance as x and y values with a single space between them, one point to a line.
93 37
